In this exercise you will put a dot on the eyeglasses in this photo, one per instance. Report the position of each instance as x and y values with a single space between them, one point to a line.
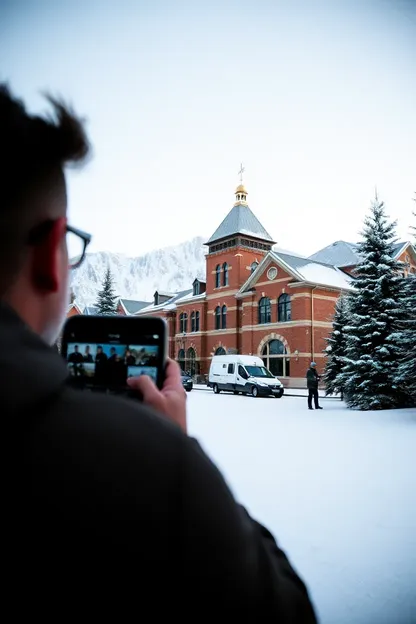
77 241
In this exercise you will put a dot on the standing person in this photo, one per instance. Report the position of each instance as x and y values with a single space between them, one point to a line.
312 379
122 510
76 359
101 373
87 355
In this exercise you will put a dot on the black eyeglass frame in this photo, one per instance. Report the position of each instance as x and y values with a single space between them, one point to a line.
86 239
41 230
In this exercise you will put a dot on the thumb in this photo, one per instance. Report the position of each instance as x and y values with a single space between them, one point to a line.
149 391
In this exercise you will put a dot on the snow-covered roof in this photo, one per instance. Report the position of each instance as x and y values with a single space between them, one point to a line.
170 304
315 272
90 310
343 254
240 220
191 297
132 306
339 254
303 270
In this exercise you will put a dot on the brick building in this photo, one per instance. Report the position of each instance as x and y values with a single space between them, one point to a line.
257 299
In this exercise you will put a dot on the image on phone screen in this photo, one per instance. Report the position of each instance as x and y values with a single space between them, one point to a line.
108 366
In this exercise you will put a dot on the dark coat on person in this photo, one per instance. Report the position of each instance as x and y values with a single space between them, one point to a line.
110 512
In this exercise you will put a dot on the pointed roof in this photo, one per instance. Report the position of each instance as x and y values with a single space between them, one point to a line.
240 220
303 270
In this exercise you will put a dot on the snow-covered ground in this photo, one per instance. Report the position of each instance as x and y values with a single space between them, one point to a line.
336 487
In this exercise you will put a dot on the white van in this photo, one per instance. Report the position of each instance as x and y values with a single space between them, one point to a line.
243 373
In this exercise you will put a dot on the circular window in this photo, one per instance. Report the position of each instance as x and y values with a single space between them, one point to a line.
272 273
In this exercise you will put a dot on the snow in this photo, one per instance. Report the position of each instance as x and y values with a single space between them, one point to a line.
337 488
321 274
171 269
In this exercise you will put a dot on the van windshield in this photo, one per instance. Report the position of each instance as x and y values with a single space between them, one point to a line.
258 371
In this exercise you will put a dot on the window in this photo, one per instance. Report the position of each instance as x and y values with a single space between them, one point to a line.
224 317
217 276
253 266
265 310
183 323
197 321
191 364
197 289
284 309
193 322
225 274
230 369
218 317
181 359
276 358
242 372
220 351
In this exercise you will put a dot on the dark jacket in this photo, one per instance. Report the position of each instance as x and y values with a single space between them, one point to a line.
112 512
312 379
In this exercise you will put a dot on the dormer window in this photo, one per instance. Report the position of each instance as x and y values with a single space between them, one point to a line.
197 288
156 298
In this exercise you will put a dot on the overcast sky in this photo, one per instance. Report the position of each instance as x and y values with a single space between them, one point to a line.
317 99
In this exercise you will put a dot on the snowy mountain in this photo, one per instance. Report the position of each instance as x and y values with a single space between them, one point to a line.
170 269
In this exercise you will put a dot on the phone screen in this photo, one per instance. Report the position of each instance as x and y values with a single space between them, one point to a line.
103 355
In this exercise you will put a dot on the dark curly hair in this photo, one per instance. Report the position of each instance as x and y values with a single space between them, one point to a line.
34 152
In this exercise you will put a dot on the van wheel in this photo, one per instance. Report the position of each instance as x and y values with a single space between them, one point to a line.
236 392
254 391
216 389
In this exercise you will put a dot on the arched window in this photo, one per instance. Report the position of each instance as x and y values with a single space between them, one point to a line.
265 310
193 322
225 274
218 276
253 266
276 358
183 323
284 309
197 321
224 317
181 359
191 362
218 317
220 351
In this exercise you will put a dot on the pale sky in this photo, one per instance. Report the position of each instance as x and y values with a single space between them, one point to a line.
317 99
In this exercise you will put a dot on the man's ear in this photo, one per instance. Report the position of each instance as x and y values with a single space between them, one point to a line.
47 258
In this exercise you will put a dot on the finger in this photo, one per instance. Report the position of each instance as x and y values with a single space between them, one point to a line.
173 375
145 385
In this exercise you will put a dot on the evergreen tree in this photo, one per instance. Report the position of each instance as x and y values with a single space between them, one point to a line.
107 299
335 349
373 349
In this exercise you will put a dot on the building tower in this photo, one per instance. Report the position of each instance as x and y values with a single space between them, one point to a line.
234 250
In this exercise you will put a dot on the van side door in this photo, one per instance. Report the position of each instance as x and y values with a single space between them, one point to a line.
241 379
231 375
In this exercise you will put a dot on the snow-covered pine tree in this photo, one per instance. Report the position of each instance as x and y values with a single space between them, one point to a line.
335 349
375 315
107 299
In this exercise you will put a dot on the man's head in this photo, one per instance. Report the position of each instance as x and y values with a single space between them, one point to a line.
33 206
76 348
313 364
112 351
99 349
87 349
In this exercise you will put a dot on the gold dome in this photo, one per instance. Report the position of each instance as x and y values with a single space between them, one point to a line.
241 189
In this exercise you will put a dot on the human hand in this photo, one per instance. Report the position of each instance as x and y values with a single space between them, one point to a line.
170 400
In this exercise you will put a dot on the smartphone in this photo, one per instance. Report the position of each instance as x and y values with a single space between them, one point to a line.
102 352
